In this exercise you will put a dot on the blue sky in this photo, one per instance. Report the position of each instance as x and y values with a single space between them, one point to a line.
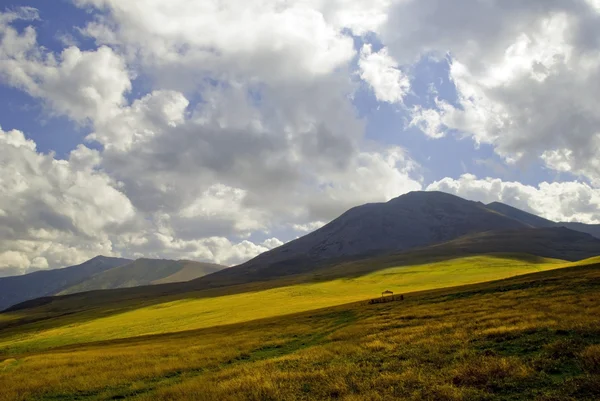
218 134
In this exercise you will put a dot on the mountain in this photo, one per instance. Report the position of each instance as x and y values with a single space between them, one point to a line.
520 215
413 228
592 229
529 245
552 242
17 289
144 272
536 221
99 273
416 219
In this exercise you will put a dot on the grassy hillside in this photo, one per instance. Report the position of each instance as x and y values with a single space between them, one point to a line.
145 272
532 337
242 303
189 271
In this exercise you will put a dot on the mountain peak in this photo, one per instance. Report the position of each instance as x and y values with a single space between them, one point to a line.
433 195
415 219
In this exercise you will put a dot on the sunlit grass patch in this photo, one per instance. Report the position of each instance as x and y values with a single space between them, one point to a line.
526 338
195 311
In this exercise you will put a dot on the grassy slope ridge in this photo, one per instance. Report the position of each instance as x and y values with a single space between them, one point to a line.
189 271
524 338
233 305
145 272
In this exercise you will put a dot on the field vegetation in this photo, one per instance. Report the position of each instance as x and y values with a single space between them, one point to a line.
56 324
530 337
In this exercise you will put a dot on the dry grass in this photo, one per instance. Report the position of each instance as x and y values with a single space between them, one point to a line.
590 359
190 311
535 337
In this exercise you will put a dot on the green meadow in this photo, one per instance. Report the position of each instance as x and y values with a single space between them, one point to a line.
533 335
200 310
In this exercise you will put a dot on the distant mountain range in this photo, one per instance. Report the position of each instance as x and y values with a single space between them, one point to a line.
99 273
144 272
415 226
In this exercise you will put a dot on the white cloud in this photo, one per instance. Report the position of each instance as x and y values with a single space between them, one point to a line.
429 121
272 243
274 141
88 85
527 74
381 72
557 201
264 40
249 126
55 212
308 227
61 212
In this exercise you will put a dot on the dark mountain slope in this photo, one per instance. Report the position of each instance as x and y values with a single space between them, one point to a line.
520 215
552 242
413 220
536 221
145 272
17 289
592 229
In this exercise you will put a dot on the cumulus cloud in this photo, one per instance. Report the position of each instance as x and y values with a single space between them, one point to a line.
272 243
84 85
527 74
274 141
557 201
380 71
306 228
429 121
55 212
183 41
59 212
248 125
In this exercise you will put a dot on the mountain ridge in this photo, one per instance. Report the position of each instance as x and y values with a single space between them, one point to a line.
143 271
434 221
540 222
16 289
100 272
412 220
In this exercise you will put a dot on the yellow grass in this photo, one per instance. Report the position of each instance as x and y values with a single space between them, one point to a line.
194 311
534 337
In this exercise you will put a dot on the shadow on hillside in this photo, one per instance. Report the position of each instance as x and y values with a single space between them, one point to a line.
574 278
52 312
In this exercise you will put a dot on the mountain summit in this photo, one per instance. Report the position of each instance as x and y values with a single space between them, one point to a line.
416 219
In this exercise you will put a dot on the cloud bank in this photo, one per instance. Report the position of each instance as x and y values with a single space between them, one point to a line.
217 130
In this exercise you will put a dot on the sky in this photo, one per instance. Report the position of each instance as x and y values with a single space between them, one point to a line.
215 130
